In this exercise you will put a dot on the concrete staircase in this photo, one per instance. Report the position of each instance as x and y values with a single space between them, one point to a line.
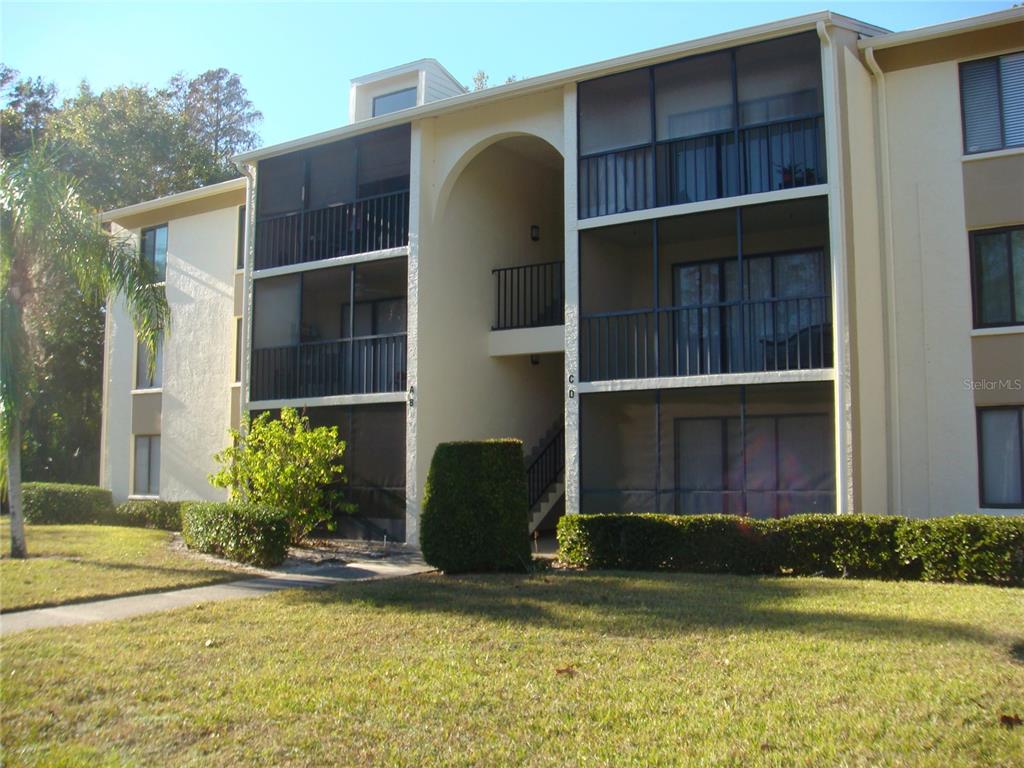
545 473
551 497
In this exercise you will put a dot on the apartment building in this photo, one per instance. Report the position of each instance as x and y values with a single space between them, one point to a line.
775 271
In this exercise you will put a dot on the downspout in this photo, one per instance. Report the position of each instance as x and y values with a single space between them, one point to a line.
890 342
249 172
844 460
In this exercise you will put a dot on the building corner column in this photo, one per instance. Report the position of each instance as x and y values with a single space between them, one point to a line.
572 304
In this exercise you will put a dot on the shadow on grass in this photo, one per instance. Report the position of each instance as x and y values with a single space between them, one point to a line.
646 605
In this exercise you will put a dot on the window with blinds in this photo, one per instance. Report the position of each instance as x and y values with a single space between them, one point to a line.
992 100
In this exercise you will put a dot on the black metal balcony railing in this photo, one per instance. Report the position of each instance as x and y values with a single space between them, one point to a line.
544 469
530 296
727 337
773 156
357 366
369 224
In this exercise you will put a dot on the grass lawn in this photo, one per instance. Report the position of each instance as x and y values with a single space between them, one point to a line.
71 563
563 669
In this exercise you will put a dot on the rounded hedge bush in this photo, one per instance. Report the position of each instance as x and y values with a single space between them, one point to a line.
246 533
65 503
475 515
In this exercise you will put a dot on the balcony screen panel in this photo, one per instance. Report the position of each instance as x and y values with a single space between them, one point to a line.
616 268
332 174
1011 76
280 184
805 453
140 483
619 452
694 96
615 112
979 96
1001 461
779 79
384 162
275 320
324 303
143 378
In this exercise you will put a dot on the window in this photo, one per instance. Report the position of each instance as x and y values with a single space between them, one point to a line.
240 258
154 250
392 102
1001 456
238 350
146 481
143 379
992 101
997 272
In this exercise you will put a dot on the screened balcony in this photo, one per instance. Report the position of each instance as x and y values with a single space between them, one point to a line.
337 331
728 123
760 451
348 197
732 291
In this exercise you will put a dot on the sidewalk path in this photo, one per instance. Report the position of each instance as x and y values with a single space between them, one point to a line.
306 576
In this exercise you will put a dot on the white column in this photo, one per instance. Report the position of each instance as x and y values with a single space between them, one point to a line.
837 244
572 306
248 264
412 498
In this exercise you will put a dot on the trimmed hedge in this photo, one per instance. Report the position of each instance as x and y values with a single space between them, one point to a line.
475 515
149 513
246 533
66 504
975 548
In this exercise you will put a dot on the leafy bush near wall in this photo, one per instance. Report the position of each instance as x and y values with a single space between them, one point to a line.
475 515
976 548
64 503
149 513
247 533
965 548
287 464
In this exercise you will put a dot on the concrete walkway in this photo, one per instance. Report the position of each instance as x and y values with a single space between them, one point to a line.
304 576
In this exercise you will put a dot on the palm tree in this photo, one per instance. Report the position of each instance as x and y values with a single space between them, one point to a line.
45 227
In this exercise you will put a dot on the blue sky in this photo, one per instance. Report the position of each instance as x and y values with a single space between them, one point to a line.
296 58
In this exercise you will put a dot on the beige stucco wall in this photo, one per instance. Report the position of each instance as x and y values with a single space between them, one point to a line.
930 353
193 409
998 372
477 201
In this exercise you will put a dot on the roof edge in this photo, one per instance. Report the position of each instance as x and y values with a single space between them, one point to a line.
946 29
562 77
157 203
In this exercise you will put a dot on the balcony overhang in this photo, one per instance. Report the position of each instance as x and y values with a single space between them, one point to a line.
527 341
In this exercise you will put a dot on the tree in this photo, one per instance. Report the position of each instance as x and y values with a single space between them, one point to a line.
286 464
127 144
482 80
219 116
46 228
28 106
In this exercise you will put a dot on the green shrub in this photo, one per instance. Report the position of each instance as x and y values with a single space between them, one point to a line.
149 513
976 548
475 515
286 464
246 533
696 543
979 548
63 503
835 545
